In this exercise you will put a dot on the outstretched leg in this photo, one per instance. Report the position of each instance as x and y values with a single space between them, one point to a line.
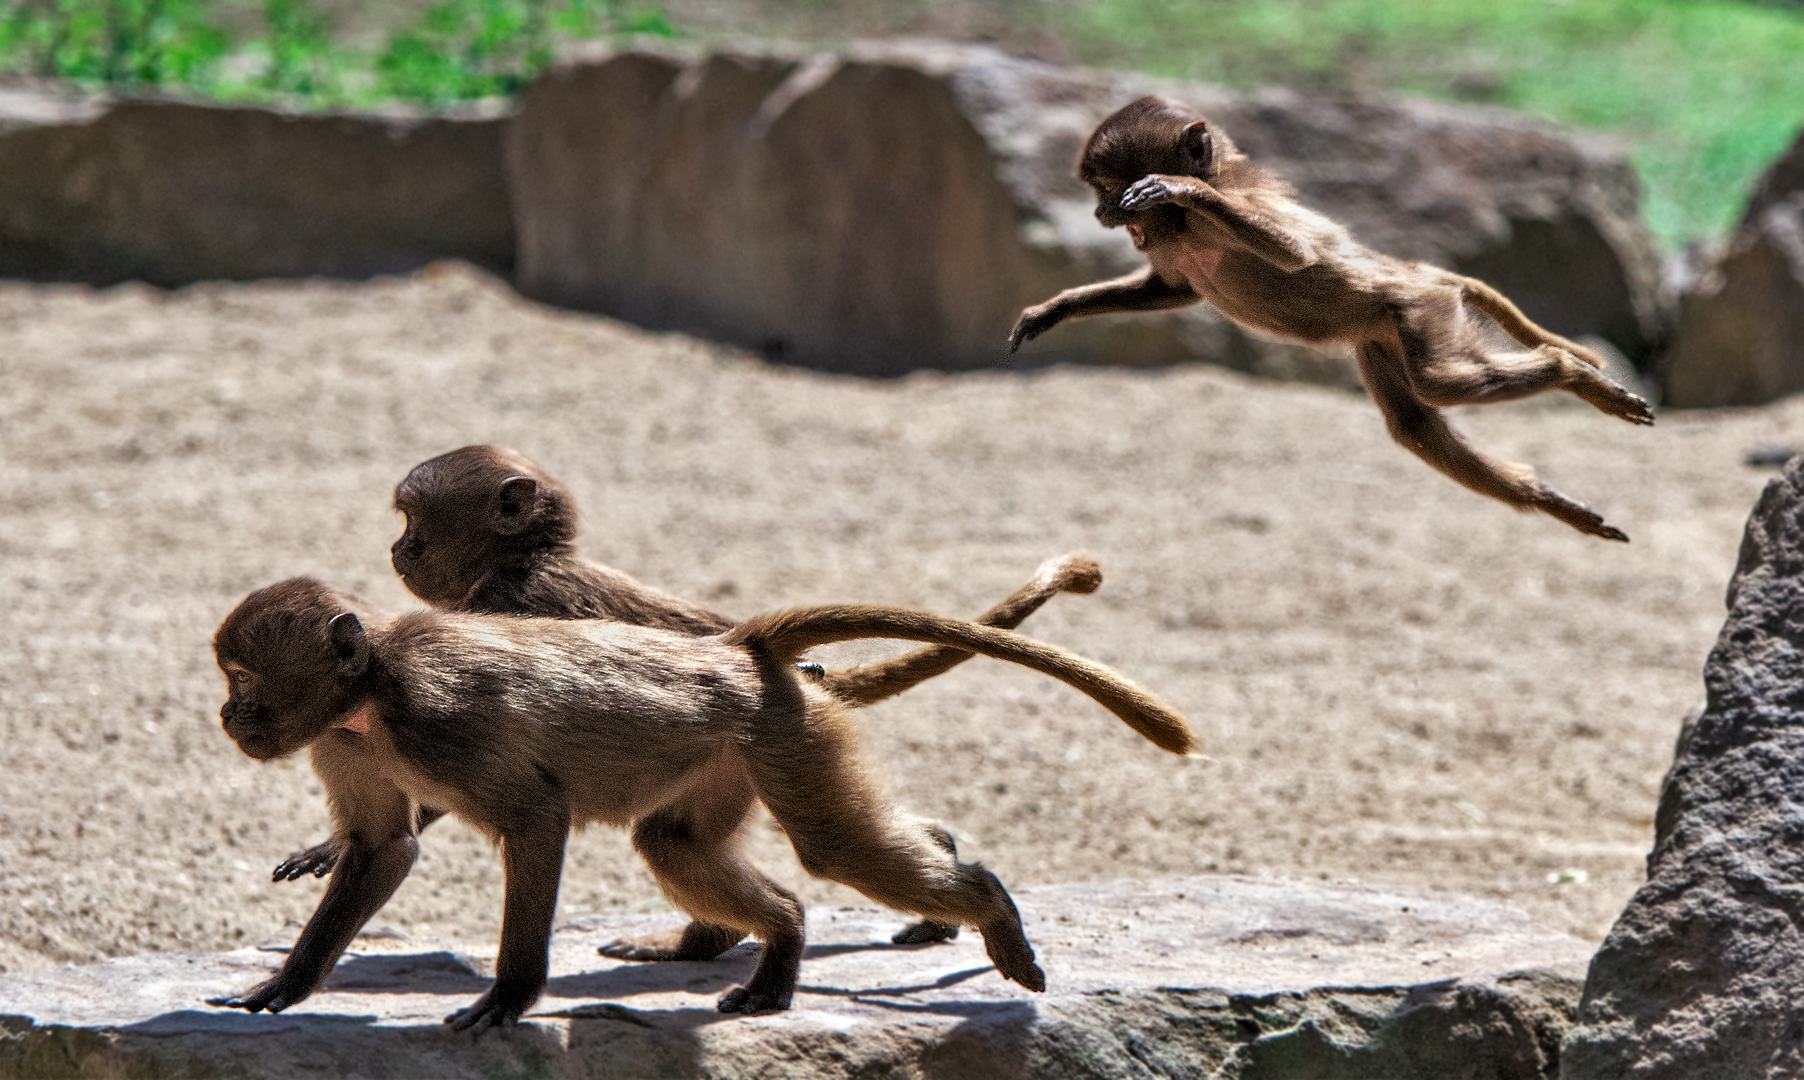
805 763
1424 431
1448 365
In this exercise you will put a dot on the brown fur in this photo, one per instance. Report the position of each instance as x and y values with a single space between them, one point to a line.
1216 228
524 727
490 531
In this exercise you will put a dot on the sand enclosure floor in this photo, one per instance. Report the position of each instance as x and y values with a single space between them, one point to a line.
1398 681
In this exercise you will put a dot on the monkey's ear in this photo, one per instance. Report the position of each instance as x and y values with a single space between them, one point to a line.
515 503
350 643
1198 145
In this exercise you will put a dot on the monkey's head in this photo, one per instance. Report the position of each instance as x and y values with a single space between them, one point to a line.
470 511
294 656
1153 135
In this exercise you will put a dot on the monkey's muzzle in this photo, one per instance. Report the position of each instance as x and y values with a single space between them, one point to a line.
248 727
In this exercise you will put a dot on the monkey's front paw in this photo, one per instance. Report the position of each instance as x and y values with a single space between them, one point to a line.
1032 323
744 999
317 860
1146 191
925 932
271 995
501 1007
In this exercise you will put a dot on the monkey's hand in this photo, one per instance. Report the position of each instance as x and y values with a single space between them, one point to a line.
1148 191
271 995
317 860
501 1007
1033 322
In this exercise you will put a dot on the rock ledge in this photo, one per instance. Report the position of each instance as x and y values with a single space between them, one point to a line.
1210 976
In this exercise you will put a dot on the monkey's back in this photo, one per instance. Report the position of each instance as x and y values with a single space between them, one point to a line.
615 716
561 585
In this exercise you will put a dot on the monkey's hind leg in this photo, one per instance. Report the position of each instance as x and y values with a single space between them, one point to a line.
1448 365
699 823
1424 431
805 764
928 932
720 889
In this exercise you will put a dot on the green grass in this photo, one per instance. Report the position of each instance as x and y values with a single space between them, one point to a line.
454 50
1706 92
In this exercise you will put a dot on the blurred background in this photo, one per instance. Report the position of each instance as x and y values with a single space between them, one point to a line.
1706 93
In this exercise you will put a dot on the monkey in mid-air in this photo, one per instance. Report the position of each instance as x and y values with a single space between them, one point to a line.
1215 227
490 531
524 727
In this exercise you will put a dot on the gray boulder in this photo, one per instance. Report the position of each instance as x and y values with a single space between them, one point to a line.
1740 333
1198 977
1702 975
171 193
894 206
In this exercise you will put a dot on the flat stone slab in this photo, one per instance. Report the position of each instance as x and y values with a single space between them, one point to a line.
1194 977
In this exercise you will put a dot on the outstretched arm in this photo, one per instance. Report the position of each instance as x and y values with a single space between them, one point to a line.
1139 291
1245 226
375 854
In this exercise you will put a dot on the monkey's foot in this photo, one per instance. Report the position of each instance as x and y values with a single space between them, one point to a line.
745 999
925 932
697 941
1014 957
1623 404
271 995
317 860
501 1007
1603 393
1579 516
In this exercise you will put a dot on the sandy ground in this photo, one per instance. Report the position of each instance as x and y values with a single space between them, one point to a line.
1399 681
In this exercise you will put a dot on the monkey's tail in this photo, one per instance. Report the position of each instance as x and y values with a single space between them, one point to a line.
785 635
873 682
1514 323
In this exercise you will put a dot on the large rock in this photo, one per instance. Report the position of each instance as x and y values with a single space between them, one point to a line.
171 193
1702 975
895 206
1740 333
1199 977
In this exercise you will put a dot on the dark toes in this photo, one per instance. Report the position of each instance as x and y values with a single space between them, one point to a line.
746 1001
926 932
626 950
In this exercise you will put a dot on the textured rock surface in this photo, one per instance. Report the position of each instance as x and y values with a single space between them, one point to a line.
1213 976
894 207
172 193
1740 333
1701 976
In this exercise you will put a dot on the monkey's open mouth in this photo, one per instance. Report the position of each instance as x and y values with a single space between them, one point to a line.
1139 236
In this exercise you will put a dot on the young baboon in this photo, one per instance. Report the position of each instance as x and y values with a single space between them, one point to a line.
490 531
524 727
1215 227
